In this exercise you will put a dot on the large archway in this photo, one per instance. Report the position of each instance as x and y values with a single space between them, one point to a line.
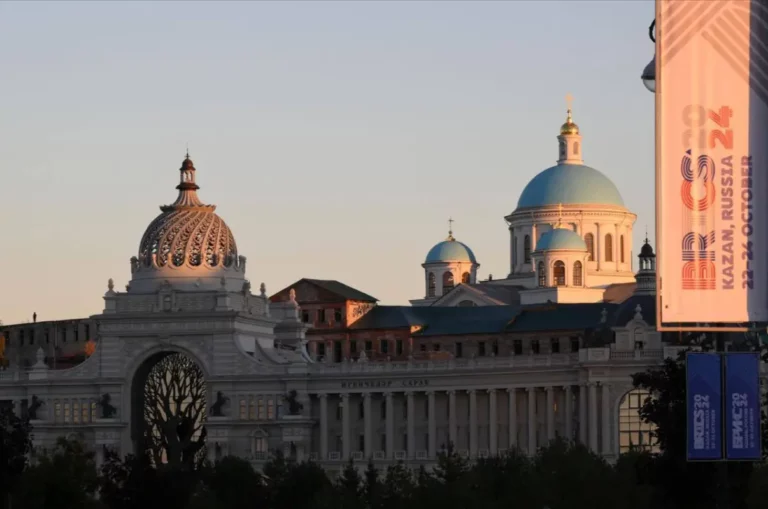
168 400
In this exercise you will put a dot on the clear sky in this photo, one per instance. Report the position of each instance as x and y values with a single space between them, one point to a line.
336 138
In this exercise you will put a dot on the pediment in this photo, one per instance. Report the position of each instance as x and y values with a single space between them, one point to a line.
461 295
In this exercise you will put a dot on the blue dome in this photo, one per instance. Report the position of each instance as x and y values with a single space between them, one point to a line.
450 251
570 184
560 238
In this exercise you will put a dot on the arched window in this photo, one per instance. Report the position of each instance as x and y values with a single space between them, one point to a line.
514 251
559 273
577 277
465 278
608 247
575 148
589 240
621 248
542 274
447 282
634 433
431 285
527 249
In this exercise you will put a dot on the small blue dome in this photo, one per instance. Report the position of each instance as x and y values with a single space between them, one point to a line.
450 251
570 184
560 238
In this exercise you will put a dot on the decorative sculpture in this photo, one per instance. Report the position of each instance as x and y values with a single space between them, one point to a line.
34 407
294 406
292 295
263 289
217 409
246 287
111 285
107 409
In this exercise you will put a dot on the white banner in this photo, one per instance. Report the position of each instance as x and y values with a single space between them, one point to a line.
711 161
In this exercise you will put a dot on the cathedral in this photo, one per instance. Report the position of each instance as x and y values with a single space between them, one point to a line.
191 361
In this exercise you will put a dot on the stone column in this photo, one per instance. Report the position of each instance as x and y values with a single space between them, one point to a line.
512 428
323 426
598 247
432 424
568 412
452 418
472 423
593 417
583 414
531 420
367 418
617 245
345 438
493 423
411 424
550 413
606 427
390 425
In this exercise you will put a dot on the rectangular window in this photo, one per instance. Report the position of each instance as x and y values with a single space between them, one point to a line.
76 412
459 349
85 412
383 410
555 345
337 353
262 409
270 409
361 443
384 346
517 346
67 413
535 346
574 344
495 348
260 445
87 330
353 347
94 410
47 336
337 315
77 333
339 408
426 410
57 412
423 347
405 410
251 408
436 347
305 316
320 349
361 410
481 348
321 315
368 346
399 347
243 409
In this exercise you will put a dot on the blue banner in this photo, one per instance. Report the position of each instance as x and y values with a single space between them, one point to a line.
704 406
742 406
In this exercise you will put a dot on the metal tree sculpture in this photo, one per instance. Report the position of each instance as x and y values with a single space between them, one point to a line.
174 412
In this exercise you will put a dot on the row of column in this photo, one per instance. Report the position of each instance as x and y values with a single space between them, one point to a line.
588 413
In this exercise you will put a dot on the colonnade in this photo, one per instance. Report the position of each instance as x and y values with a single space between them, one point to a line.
535 416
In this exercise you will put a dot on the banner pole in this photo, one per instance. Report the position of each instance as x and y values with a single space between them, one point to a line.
723 484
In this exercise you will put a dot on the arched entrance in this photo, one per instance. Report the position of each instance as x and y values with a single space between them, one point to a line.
168 409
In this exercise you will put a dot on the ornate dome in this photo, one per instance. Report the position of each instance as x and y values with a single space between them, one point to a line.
569 127
570 184
560 238
450 250
187 240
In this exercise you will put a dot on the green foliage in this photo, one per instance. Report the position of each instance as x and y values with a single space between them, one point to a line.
15 444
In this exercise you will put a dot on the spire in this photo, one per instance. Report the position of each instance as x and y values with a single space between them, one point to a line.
569 139
450 229
187 188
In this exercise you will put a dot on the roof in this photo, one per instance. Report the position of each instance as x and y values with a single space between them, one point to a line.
560 238
332 286
570 184
450 250
626 313
554 317
439 320
500 294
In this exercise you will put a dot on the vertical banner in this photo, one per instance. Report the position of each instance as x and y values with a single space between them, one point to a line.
742 406
711 157
704 406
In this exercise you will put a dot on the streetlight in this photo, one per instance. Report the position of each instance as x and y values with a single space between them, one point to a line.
649 73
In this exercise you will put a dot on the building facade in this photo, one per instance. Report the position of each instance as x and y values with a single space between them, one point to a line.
321 371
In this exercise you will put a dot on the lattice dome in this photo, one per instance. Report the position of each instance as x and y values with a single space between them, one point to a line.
188 232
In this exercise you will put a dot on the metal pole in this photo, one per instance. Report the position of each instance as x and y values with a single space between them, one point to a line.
723 487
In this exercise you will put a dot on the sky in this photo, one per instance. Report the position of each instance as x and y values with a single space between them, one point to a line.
336 138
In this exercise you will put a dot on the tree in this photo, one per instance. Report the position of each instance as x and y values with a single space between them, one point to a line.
66 477
15 445
504 481
372 486
349 488
290 485
174 411
234 484
398 487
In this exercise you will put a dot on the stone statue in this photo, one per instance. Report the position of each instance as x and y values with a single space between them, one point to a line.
108 410
363 357
111 285
34 407
294 407
246 287
217 409
292 295
263 289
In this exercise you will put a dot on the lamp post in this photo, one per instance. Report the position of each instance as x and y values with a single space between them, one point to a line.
649 73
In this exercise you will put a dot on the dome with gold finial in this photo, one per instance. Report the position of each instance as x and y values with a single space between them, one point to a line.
569 127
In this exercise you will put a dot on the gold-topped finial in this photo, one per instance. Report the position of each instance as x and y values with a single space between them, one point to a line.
569 127
450 229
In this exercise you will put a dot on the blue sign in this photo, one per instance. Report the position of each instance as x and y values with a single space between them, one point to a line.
704 406
742 406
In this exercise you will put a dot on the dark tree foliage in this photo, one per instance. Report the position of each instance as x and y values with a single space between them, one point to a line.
15 445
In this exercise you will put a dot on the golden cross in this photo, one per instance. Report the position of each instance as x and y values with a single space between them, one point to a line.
569 101
450 225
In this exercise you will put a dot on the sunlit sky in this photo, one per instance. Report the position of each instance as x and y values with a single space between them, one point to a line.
336 138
